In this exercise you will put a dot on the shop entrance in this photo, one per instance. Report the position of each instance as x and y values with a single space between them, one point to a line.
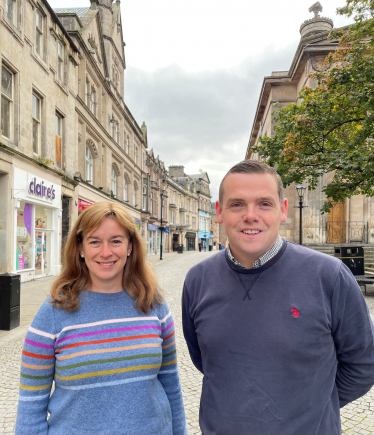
190 243
175 241
42 253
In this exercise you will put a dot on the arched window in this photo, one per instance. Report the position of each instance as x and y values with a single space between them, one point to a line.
114 182
125 189
134 194
89 165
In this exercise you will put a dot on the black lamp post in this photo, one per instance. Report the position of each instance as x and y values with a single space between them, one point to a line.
300 191
163 186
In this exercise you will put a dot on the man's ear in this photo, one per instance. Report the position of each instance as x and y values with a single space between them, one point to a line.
219 212
284 208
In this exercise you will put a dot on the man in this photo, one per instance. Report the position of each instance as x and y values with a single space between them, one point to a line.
281 333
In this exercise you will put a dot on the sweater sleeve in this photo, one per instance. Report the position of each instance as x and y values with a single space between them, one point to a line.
189 331
353 334
37 372
168 374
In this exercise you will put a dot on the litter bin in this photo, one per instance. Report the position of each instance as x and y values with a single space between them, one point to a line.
352 257
210 247
10 292
180 249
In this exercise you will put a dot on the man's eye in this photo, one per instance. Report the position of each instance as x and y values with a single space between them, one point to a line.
265 204
236 205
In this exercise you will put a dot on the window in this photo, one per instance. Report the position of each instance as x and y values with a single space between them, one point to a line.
39 34
60 60
36 121
125 189
188 204
180 202
6 102
114 182
87 92
89 165
116 134
144 197
194 223
93 100
58 139
151 203
11 11
127 145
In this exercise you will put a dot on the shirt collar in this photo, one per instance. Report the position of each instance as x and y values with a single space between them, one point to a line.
263 259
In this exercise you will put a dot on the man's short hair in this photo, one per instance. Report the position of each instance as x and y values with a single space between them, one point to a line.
253 167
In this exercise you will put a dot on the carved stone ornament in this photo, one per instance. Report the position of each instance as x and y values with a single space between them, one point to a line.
316 8
91 144
318 63
80 120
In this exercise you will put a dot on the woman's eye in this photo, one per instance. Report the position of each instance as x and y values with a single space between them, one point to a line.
116 242
94 242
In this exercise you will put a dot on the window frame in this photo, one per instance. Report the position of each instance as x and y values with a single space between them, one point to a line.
127 145
60 61
10 101
145 198
37 123
92 100
125 189
14 11
39 36
89 166
59 119
114 181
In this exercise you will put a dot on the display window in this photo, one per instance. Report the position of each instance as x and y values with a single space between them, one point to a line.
43 230
24 254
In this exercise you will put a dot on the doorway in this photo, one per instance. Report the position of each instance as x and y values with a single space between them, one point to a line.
42 253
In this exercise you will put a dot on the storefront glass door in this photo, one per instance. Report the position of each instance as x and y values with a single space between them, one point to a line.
42 253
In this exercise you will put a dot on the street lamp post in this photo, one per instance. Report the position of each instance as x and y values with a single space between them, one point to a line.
163 185
300 191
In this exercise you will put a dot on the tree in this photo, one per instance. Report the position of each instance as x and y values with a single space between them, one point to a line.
332 129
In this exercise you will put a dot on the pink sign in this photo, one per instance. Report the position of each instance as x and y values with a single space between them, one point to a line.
21 261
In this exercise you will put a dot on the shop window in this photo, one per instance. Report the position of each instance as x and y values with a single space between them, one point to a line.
24 248
11 11
114 182
7 85
39 33
89 165
60 60
125 190
36 123
58 139
43 227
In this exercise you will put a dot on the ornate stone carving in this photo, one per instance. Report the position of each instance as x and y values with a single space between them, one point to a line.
116 168
80 120
316 8
91 144
318 63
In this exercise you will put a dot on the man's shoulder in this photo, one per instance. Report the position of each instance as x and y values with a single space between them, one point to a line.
210 264
305 253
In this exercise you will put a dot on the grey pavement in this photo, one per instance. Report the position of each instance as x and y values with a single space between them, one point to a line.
357 417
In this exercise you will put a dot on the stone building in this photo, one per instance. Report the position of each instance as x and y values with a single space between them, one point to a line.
214 227
204 207
67 138
351 222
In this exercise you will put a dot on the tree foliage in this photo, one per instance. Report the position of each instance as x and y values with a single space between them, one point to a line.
331 130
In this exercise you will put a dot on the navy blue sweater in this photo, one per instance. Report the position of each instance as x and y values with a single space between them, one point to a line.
281 347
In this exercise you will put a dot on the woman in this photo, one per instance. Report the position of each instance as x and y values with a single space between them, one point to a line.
105 336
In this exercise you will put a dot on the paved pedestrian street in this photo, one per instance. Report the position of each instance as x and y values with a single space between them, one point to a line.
357 417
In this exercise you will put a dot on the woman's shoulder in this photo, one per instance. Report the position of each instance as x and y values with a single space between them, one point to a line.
162 309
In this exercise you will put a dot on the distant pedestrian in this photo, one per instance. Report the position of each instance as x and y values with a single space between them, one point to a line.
105 337
281 333
199 246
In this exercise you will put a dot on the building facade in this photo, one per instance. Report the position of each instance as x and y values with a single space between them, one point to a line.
348 222
67 138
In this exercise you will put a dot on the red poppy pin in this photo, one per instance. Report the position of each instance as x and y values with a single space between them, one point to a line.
295 312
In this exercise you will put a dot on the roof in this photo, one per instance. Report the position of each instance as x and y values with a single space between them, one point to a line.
81 12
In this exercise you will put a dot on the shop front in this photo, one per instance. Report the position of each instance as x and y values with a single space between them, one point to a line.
204 237
190 241
36 226
83 204
151 238
138 224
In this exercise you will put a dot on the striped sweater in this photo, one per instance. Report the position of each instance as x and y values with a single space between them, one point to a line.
114 370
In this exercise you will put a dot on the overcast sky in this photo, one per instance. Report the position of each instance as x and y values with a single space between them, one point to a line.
195 70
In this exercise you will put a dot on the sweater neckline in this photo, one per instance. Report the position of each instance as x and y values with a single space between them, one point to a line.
257 269
106 296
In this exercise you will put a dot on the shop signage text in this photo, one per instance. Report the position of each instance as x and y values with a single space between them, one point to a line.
41 189
190 235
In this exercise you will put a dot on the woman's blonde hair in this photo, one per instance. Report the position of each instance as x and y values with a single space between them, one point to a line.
138 280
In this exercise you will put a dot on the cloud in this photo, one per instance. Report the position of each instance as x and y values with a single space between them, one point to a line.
202 119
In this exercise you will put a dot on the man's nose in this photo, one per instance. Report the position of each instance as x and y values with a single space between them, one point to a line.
250 214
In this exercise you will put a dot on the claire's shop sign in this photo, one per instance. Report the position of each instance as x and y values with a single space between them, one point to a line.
39 188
